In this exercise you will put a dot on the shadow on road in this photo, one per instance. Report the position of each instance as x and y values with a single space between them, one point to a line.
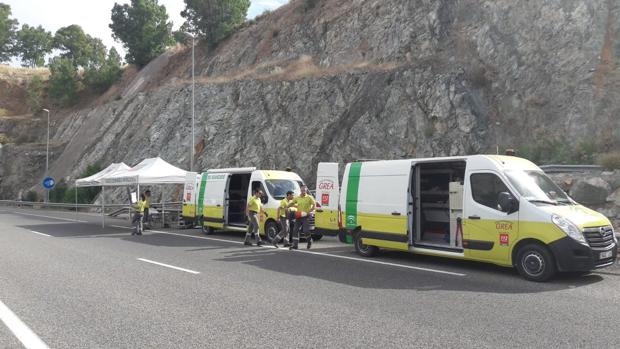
480 277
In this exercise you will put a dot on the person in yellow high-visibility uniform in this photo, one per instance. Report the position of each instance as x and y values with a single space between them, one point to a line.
283 217
305 206
137 217
254 208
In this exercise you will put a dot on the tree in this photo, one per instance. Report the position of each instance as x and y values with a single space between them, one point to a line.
102 77
35 93
63 83
82 49
215 19
32 45
143 28
8 31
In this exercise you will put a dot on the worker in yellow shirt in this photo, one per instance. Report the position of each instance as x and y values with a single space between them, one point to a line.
137 217
146 219
283 216
305 206
254 208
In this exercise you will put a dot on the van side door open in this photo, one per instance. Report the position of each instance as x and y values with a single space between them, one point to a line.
489 230
327 198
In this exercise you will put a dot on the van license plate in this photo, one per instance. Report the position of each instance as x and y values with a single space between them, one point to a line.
605 255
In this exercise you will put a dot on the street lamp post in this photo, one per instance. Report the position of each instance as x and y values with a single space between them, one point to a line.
191 163
47 154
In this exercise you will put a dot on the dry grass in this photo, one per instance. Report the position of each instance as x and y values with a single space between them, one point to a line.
14 73
301 68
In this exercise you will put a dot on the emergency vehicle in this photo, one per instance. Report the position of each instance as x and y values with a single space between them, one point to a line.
497 209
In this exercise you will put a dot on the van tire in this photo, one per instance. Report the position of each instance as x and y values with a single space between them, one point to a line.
271 230
535 263
364 250
207 230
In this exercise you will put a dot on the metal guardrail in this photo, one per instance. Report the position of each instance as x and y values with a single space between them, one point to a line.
570 168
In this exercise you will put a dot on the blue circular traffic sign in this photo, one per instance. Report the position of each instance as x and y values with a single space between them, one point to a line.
49 183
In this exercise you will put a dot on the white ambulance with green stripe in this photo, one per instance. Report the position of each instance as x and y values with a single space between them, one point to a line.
222 195
498 209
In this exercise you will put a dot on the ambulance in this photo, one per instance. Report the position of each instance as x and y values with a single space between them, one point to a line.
224 194
497 209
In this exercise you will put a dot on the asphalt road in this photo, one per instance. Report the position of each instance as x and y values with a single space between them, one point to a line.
76 285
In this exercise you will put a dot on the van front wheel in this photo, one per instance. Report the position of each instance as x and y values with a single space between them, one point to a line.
364 250
535 263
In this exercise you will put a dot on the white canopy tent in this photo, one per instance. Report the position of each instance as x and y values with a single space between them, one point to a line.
95 180
150 171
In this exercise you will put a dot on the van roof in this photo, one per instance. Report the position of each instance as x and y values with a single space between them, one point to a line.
475 161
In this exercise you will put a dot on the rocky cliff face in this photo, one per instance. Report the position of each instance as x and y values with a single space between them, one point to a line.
353 79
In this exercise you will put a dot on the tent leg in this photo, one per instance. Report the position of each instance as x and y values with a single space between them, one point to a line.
103 207
163 212
76 207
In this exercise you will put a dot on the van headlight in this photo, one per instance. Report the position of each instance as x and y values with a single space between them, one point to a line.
569 228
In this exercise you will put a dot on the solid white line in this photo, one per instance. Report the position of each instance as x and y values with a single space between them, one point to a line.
168 266
324 254
36 232
60 219
383 263
25 335
120 226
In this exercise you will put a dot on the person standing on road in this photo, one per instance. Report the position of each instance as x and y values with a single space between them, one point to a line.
305 206
283 211
137 217
254 208
147 205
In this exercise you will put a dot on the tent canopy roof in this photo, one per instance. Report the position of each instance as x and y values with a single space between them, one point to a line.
95 180
149 171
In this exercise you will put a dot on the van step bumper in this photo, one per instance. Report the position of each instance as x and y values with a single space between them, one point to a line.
573 256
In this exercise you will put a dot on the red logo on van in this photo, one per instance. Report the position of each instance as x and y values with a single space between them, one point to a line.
326 184
325 199
504 239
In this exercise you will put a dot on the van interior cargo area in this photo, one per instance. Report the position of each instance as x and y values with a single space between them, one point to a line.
237 198
439 203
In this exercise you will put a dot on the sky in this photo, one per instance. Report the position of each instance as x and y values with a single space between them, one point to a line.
94 15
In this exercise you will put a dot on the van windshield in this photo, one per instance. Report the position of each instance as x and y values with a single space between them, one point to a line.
278 187
535 186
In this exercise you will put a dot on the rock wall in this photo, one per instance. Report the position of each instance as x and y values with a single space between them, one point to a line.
353 79
599 190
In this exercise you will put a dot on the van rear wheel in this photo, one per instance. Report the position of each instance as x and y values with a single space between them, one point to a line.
207 230
535 263
364 250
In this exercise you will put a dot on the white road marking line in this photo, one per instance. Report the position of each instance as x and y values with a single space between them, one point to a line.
168 266
324 254
25 335
120 226
58 218
383 263
36 232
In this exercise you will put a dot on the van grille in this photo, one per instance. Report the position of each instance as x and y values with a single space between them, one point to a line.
599 238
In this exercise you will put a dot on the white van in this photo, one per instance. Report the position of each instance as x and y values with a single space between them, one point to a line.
498 209
226 193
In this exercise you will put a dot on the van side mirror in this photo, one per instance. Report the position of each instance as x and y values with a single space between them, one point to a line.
264 199
507 203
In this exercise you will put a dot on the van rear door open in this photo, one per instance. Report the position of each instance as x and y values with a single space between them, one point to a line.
327 196
189 195
214 199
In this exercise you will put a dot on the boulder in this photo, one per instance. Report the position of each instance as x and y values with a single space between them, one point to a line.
615 197
613 178
590 191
